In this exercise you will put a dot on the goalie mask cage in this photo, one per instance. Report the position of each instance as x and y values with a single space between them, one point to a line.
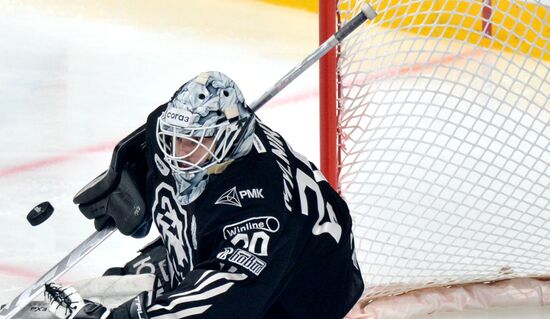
435 127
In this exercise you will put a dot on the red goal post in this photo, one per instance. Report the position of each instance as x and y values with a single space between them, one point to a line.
327 94
435 127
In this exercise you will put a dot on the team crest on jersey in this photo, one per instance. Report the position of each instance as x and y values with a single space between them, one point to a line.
172 222
233 197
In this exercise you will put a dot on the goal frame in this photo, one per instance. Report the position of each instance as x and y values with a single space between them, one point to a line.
328 96
504 291
329 91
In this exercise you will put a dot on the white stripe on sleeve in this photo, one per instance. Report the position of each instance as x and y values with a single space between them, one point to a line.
194 295
202 296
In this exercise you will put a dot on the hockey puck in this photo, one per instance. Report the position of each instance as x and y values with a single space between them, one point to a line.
40 213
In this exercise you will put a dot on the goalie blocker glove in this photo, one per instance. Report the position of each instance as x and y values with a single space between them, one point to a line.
66 303
116 196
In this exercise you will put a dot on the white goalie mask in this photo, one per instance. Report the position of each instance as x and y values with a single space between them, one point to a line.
205 123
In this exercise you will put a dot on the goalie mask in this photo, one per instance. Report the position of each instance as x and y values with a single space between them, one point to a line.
205 125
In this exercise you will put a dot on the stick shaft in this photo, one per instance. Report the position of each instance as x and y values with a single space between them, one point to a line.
11 309
366 13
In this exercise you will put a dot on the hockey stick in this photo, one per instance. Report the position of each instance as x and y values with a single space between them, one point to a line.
125 147
367 13
11 309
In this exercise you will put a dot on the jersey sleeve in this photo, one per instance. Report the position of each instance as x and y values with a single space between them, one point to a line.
242 276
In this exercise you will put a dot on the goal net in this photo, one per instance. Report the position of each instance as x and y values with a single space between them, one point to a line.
443 140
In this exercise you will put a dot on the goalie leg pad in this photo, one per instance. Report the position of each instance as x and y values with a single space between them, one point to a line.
151 260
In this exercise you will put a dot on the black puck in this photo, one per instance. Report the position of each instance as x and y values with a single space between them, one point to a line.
40 213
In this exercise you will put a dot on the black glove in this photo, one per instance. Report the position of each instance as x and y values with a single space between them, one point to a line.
131 309
116 196
119 202
66 303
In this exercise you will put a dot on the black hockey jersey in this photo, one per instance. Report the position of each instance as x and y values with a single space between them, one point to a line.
268 238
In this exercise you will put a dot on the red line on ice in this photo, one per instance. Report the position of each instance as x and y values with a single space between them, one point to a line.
18 271
276 102
305 95
48 161
54 160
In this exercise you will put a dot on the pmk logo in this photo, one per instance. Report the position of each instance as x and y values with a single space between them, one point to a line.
251 193
233 197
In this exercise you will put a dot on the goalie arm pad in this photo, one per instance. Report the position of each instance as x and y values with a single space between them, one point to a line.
116 196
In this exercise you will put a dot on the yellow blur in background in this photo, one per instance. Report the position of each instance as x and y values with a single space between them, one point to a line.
516 26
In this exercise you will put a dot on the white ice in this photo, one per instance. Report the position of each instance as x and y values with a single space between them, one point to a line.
76 77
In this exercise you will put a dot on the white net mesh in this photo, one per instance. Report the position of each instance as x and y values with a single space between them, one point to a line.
445 141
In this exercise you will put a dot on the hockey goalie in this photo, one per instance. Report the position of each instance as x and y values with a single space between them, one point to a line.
248 227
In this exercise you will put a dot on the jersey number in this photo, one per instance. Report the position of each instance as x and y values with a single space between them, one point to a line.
331 226
257 244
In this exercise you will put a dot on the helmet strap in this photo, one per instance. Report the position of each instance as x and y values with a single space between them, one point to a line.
219 168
